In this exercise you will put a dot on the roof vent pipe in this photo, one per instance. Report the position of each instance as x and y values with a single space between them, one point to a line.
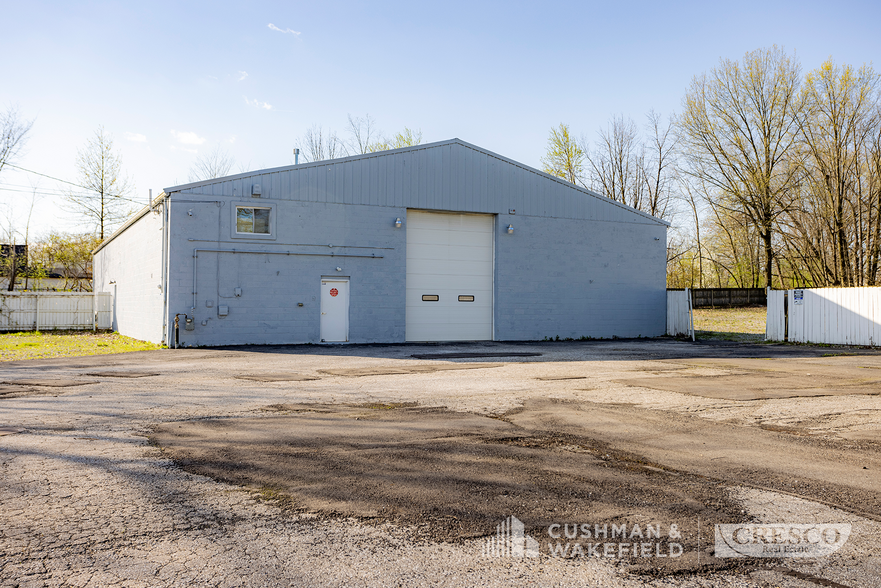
296 156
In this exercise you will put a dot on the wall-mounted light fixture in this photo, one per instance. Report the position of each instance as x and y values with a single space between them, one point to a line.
510 229
339 269
398 223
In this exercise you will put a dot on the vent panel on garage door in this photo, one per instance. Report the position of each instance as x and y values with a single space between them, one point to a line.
450 257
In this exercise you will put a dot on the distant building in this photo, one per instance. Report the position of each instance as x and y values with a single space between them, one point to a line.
56 278
437 242
13 260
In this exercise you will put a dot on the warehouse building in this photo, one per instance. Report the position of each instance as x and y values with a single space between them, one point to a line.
438 242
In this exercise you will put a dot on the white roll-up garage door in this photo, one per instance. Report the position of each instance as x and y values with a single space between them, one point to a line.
449 276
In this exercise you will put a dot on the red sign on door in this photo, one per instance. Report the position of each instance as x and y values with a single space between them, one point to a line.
334 291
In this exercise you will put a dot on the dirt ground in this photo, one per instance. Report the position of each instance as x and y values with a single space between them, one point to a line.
393 465
448 475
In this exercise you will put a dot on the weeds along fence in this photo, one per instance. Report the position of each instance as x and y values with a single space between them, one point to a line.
34 311
837 316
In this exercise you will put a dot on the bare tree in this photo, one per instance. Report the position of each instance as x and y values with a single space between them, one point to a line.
319 144
364 133
617 161
739 132
690 196
104 203
658 170
13 257
14 260
13 135
564 157
215 164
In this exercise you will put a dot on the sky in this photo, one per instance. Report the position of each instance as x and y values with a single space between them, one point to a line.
171 81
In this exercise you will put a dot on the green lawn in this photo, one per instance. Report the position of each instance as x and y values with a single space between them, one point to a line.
37 345
730 324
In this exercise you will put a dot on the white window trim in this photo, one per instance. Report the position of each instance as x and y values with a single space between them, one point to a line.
273 218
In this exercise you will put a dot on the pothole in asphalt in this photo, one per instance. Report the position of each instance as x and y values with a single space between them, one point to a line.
118 374
556 378
276 377
409 369
50 382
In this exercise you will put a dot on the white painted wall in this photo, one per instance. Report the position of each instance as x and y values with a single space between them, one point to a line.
133 260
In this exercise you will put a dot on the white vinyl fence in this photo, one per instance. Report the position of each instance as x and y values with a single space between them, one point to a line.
680 320
775 325
28 311
838 316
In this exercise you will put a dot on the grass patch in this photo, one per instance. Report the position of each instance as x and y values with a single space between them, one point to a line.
744 325
43 345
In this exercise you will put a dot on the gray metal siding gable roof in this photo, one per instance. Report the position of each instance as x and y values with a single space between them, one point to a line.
448 175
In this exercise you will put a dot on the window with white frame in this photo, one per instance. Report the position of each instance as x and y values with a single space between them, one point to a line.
253 220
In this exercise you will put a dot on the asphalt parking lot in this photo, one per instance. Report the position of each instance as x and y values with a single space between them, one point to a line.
392 465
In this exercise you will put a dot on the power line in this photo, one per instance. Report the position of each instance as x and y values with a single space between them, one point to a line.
62 194
30 171
38 189
38 192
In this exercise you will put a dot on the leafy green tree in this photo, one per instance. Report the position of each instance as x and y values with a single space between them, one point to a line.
841 209
564 157
68 254
739 134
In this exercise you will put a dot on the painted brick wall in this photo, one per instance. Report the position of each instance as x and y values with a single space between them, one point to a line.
554 277
134 261
272 285
572 279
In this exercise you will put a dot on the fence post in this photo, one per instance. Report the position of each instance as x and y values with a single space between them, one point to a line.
36 312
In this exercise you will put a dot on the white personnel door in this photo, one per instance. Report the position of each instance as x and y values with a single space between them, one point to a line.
334 311
449 276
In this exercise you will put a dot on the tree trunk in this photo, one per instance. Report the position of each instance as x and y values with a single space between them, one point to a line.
769 257
13 271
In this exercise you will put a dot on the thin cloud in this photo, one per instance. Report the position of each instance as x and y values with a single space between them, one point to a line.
242 75
187 137
285 31
258 104
136 137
